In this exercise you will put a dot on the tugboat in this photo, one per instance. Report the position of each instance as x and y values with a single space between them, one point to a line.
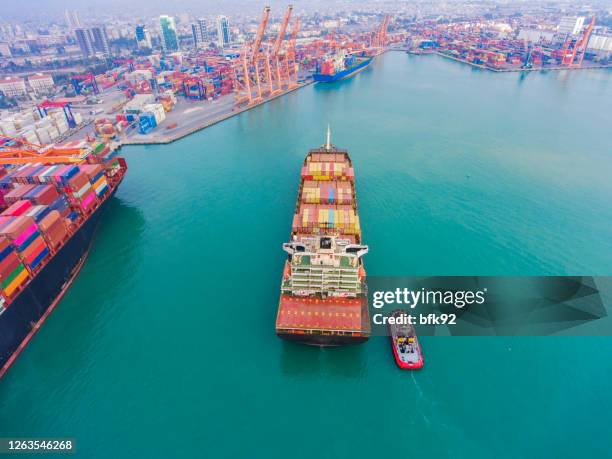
406 348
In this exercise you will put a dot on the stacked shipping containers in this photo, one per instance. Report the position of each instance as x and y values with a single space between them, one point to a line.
40 204
327 196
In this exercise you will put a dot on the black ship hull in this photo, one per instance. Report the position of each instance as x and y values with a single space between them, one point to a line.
322 340
38 298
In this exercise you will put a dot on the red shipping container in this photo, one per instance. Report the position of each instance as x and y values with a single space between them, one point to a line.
46 195
47 222
18 208
16 194
78 181
17 226
8 264
35 251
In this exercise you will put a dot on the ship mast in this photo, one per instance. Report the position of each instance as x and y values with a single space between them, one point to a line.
328 145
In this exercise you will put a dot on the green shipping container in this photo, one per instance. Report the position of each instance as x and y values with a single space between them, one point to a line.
12 276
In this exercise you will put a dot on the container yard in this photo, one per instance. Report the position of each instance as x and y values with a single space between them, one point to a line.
503 48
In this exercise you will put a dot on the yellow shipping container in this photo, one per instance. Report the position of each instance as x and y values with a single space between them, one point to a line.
16 282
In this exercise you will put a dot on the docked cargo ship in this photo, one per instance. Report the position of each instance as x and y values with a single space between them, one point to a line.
323 299
340 66
50 212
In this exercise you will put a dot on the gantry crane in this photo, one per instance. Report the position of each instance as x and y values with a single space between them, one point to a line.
23 152
256 52
290 61
379 39
277 48
80 82
258 72
575 47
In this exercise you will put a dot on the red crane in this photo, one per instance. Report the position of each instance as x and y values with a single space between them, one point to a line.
277 47
27 152
379 40
65 106
576 47
290 61
256 51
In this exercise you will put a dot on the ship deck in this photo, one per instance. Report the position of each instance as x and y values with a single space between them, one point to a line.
330 314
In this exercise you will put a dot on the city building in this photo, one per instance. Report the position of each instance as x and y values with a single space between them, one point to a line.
200 34
73 21
100 40
143 38
168 33
571 25
5 50
40 83
13 86
223 33
85 41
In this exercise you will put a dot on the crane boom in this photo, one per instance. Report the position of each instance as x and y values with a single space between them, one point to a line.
294 32
283 30
260 33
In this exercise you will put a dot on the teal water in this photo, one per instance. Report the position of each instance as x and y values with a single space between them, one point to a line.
165 346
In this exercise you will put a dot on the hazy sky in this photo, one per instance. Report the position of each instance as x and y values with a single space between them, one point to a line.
49 9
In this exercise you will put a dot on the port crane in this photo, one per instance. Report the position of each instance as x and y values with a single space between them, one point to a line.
81 83
258 72
574 48
65 106
129 62
291 64
276 52
379 38
527 64
19 151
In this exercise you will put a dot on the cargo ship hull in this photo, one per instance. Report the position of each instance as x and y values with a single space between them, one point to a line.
347 73
25 314
322 340
323 300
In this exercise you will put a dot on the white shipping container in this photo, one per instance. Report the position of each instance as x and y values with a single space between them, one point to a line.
62 128
30 135
53 132
157 110
78 118
8 128
43 136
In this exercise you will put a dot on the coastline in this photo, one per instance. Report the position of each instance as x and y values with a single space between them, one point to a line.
533 69
170 137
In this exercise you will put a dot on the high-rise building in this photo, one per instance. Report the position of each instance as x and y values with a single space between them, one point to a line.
73 21
85 41
143 39
223 33
168 33
100 40
571 25
200 33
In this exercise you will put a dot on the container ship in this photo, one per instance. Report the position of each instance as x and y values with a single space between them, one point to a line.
340 66
323 299
51 204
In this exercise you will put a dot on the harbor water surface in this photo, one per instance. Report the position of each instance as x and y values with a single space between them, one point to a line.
165 345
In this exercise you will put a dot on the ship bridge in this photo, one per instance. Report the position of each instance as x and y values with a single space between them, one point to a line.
324 265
